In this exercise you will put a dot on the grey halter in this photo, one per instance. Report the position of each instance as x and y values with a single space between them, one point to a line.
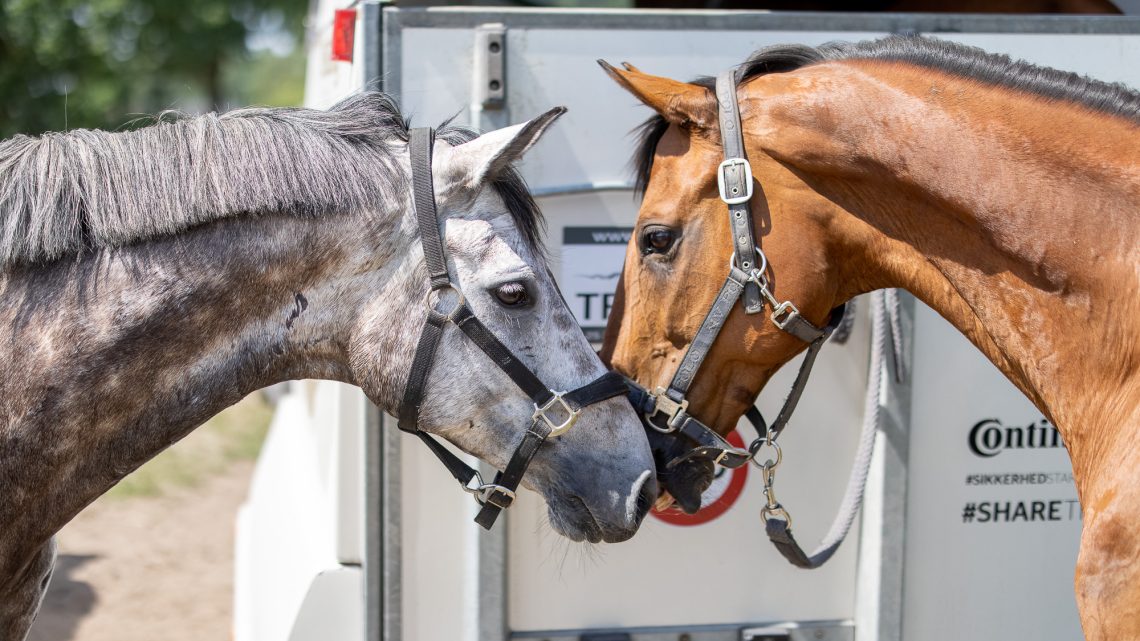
554 412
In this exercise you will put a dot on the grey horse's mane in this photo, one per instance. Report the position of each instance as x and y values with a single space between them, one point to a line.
64 193
971 62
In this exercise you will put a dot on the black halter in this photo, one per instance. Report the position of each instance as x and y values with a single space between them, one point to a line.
665 410
554 412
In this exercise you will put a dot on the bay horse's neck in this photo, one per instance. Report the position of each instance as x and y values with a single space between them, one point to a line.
1018 219
112 358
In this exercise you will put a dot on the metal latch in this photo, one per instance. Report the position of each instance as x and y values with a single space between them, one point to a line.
490 78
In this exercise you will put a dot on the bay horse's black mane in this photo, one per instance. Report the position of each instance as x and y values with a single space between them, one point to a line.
958 59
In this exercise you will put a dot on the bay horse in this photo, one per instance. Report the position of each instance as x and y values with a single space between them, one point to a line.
152 278
1004 195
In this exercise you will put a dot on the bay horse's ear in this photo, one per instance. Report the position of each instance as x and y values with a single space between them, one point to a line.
680 103
470 166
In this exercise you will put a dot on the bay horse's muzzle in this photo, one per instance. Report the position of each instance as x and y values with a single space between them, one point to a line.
685 479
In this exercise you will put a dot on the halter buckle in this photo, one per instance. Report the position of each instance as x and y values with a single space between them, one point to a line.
737 188
484 492
662 404
556 428
489 494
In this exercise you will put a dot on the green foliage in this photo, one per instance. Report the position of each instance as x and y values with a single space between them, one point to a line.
66 64
265 79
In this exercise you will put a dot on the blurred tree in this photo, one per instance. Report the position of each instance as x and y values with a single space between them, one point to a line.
265 78
91 63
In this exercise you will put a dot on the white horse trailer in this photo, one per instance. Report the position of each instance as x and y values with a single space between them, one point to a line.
970 525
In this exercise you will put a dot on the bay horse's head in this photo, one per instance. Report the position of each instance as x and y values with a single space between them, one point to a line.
680 252
484 389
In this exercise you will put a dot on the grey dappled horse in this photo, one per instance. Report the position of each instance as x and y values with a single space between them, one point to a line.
151 278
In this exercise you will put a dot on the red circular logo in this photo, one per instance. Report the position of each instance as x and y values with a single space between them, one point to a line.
716 500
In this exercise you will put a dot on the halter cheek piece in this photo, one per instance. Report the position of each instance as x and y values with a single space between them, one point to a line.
665 410
554 412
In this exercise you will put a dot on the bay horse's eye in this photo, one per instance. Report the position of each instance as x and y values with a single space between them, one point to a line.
512 295
657 240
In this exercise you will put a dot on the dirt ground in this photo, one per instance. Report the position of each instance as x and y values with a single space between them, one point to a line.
153 561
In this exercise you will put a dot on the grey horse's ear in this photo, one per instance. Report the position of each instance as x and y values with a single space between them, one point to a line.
470 166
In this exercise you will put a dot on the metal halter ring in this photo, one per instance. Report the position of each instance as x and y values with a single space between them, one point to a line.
439 292
755 274
475 489
556 428
782 312
755 448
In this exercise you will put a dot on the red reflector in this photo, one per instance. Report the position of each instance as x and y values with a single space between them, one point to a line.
344 31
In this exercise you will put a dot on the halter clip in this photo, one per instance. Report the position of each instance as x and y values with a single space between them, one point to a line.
784 313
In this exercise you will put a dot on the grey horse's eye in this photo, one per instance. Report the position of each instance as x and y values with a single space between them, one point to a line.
512 295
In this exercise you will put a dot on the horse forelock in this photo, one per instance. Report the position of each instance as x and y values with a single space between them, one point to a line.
1112 99
64 193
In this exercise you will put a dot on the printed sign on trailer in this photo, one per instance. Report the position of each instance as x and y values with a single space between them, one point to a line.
990 501
591 265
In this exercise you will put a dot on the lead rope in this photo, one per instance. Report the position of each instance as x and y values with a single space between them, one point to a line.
898 349
778 523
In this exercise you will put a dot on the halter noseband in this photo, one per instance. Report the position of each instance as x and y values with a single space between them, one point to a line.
665 410
554 412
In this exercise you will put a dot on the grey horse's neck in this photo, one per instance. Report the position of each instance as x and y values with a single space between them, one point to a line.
114 357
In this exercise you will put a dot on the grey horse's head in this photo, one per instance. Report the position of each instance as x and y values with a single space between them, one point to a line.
597 478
